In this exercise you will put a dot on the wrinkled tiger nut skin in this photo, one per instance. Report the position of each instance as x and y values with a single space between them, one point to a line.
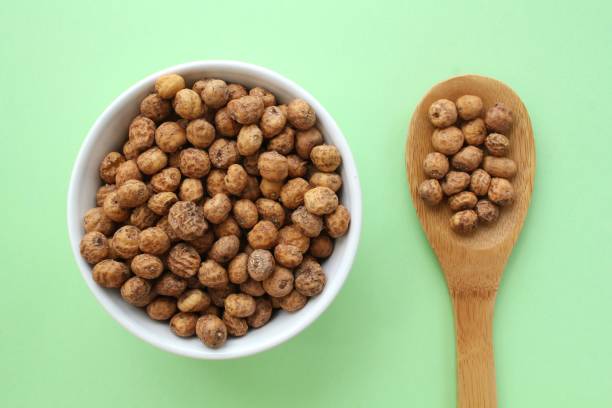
225 125
170 284
224 249
246 110
292 235
167 86
215 182
236 91
147 266
170 136
188 104
273 166
212 275
326 157
227 228
300 114
126 241
260 264
136 291
200 133
132 193
161 203
113 210
109 165
497 144
141 133
435 165
184 324
103 192
211 330
474 132
442 113
293 302
110 274
297 167
167 180
500 166
321 247
266 96
272 121
310 224
154 241
310 279
187 220
249 140
320 200
217 208
430 192
262 314
151 161
487 211
142 217
284 142
467 159
455 182
223 153
464 200
236 326
96 220
479 182
292 192
280 283
128 170
332 181
237 269
270 210
464 222
270 189
469 107
235 179
305 141
245 213
183 260
239 305
194 162
337 223
501 191
448 140
193 300
161 308
263 235
252 287
215 93
154 107
288 255
499 118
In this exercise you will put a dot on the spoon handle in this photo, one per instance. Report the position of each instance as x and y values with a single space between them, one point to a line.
474 340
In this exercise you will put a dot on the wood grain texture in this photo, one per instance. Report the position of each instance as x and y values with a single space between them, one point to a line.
473 264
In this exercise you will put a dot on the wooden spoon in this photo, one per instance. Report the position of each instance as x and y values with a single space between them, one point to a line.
473 264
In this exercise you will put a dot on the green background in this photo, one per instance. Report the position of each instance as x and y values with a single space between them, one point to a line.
387 340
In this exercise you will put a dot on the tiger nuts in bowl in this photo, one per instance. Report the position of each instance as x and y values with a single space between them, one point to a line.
176 210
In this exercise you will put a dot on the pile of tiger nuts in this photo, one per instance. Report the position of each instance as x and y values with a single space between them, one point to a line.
476 178
218 210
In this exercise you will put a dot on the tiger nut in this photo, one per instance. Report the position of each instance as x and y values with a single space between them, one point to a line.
442 113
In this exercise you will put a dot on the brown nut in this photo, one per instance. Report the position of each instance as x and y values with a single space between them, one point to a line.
217 208
309 223
236 179
103 192
263 235
292 193
305 141
292 235
125 241
127 170
326 157
131 150
250 164
109 165
153 241
110 274
218 295
462 201
236 91
215 93
431 192
321 246
188 104
487 211
227 228
435 165
497 144
237 269
499 118
262 314
204 243
161 308
211 331
168 179
141 133
474 131
154 107
170 284
191 189
200 133
267 97
310 279
252 287
272 122
249 140
320 200
113 210
224 124
500 166
501 191
300 114
170 136
240 305
467 159
236 326
142 217
187 220
448 140
288 255
442 113
271 210
215 182
151 161
184 324
337 223
223 153
251 191
165 225
270 189
213 275
293 302
245 213
147 266
246 110
168 85
132 193
136 291
96 220
183 260
332 181
193 300
194 162
455 182
479 182
280 283
469 107
297 167
224 249
464 222
273 166
260 264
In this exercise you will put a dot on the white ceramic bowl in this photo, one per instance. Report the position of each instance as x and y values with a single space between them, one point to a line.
109 132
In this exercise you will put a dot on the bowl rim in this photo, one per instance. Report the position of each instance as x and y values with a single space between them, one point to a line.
351 178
